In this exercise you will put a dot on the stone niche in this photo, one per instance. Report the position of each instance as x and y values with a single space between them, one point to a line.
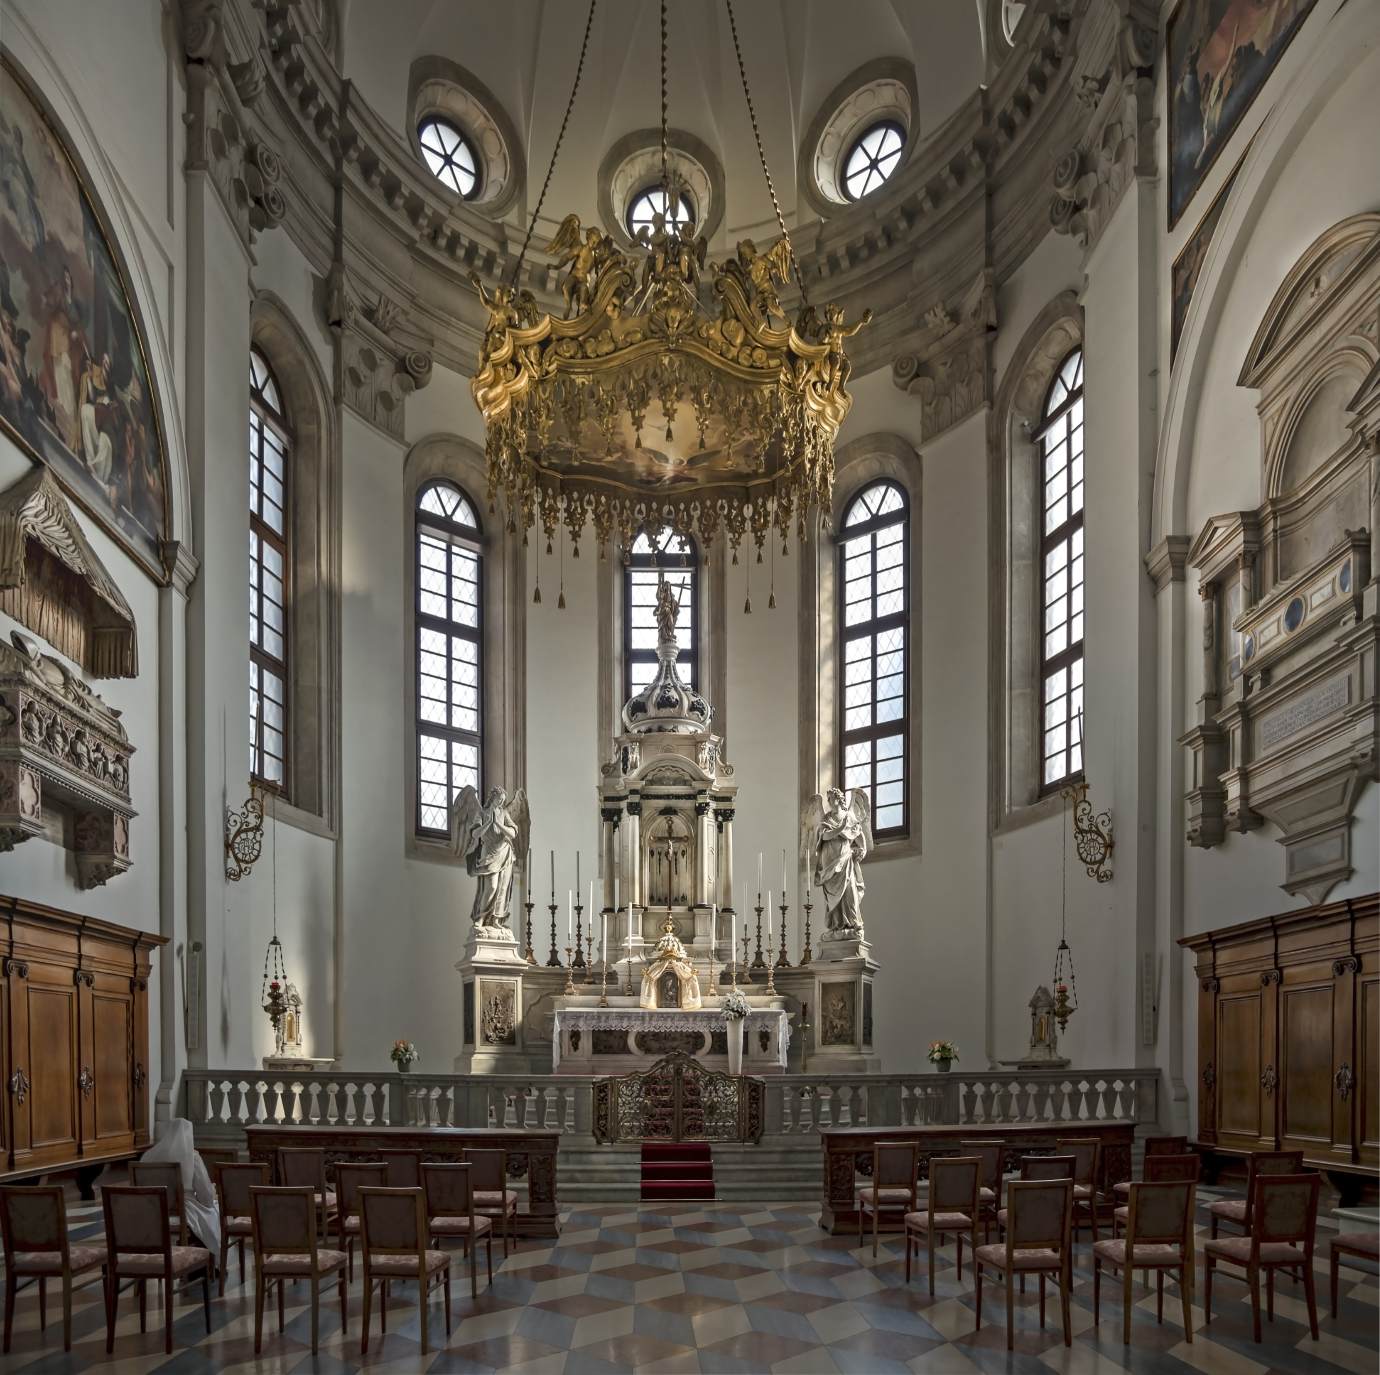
1289 719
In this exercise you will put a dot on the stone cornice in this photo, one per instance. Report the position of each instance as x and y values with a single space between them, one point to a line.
970 197
1167 560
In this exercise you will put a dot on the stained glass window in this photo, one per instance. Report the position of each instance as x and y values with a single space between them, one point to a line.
874 575
1059 446
653 557
270 450
449 652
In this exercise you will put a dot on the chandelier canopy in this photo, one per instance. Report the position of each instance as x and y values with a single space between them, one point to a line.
672 392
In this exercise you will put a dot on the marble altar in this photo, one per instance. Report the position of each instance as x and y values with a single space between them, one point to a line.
588 1039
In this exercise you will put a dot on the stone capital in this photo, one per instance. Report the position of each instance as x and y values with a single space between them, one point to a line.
1167 560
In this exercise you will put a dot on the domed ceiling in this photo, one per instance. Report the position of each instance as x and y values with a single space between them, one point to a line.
797 53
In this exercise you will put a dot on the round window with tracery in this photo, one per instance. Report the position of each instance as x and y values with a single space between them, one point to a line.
874 156
648 204
449 155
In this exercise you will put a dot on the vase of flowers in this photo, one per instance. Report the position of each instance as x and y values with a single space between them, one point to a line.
942 1054
404 1054
735 1008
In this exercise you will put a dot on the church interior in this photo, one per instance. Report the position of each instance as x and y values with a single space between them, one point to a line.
690 685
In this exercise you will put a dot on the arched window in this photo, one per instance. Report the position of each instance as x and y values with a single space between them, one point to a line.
1059 444
270 451
874 581
660 554
449 652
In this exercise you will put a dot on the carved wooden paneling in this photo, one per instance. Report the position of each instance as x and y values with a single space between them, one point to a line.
1239 1119
1364 1080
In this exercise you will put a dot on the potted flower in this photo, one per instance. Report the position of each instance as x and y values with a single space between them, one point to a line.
404 1054
735 1008
942 1054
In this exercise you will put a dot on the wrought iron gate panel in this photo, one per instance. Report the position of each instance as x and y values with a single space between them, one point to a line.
679 1099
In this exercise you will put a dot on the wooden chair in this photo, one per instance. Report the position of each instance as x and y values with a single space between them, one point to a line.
1284 1220
1156 1146
168 1175
213 1157
492 1196
1364 1246
285 1225
894 1188
1038 1241
138 1242
33 1227
1238 1210
991 1154
1166 1145
304 1167
393 1234
1041 1169
452 1211
1159 1237
952 1206
404 1169
350 1177
1161 1169
1087 1172
233 1183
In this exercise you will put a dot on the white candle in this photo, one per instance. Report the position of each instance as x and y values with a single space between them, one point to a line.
605 952
759 873
768 921
553 876
569 916
591 907
577 871
783 876
733 939
630 940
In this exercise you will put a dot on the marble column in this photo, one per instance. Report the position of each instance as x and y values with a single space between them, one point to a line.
634 876
609 822
725 819
703 876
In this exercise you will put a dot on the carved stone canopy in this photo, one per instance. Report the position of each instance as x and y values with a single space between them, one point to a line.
52 581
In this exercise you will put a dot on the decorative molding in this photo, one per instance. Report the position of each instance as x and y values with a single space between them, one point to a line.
1348 964
1166 562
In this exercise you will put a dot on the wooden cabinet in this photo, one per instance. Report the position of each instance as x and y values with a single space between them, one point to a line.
1289 1035
73 1039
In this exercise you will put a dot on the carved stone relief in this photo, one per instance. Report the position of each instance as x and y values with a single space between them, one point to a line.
498 1020
837 1014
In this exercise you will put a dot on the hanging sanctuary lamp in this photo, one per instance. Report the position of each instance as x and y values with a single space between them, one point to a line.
673 392
1065 981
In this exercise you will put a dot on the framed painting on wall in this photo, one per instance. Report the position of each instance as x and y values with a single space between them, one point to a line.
75 389
1220 53
1189 264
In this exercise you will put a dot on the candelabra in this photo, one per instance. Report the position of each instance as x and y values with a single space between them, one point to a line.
589 949
553 960
805 956
757 961
782 962
747 968
569 989
604 983
528 954
579 936
771 982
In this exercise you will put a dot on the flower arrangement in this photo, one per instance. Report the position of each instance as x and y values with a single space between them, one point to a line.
734 1006
404 1053
941 1051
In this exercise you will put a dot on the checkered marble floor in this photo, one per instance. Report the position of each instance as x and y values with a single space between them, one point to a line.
698 1287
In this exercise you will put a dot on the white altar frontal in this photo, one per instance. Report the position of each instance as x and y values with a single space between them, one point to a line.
667 800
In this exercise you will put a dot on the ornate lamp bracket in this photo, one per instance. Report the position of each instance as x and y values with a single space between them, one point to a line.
244 835
1092 832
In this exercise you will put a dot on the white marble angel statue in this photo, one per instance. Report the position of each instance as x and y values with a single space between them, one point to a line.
835 836
492 837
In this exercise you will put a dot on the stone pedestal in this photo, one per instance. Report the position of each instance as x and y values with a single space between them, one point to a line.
835 997
297 1064
492 973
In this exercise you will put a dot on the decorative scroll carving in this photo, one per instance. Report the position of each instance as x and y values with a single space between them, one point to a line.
1348 964
52 581
1270 976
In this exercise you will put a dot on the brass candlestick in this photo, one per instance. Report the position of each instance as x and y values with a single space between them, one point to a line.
757 961
781 961
569 989
527 954
553 960
604 983
747 968
579 937
589 947
771 981
805 956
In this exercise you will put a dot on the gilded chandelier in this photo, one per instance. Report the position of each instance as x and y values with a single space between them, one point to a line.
671 393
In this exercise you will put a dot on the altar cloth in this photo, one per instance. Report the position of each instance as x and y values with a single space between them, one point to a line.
706 1019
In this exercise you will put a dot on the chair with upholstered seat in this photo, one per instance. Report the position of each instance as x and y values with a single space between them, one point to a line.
393 1232
1087 1173
304 1167
139 1247
1159 1237
1284 1220
1039 1229
1041 1169
991 1154
1238 1210
893 1187
952 1206
1161 1169
233 1183
451 1211
167 1174
1166 1145
404 1169
285 1225
350 1177
1350 1247
492 1196
33 1226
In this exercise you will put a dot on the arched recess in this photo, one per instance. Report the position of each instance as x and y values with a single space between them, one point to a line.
314 544
503 614
50 89
857 464
1345 43
1014 488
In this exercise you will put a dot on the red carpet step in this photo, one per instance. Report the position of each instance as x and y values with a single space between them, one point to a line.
677 1170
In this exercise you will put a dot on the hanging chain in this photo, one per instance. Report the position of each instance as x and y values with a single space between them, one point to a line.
761 155
665 177
1064 880
555 152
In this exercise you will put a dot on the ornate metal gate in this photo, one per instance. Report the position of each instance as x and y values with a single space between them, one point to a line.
678 1099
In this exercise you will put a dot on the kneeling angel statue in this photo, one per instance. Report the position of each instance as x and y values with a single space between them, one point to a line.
835 836
492 837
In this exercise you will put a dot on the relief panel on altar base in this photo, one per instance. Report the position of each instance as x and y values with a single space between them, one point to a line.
498 1012
837 1014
